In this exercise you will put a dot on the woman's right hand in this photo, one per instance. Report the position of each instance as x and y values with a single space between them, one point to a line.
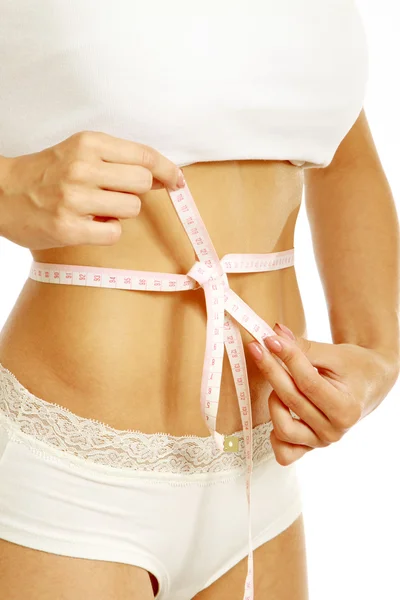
77 191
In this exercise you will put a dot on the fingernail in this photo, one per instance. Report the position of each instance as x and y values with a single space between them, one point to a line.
287 330
273 343
255 350
181 180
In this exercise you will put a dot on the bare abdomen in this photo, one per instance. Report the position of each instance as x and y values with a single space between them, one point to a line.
134 359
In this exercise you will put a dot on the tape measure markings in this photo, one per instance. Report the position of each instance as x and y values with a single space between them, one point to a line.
225 310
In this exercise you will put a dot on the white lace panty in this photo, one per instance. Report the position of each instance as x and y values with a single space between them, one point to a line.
175 506
36 422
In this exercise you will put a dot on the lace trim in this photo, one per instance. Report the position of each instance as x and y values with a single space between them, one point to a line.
102 444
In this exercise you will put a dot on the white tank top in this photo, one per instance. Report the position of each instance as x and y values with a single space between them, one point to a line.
219 80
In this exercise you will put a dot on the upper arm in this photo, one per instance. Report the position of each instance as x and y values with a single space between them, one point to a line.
356 149
354 178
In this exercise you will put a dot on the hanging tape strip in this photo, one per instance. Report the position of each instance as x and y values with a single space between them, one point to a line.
224 310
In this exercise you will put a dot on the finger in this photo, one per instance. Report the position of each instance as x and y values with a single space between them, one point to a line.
288 429
315 387
118 150
123 178
157 185
287 390
286 453
320 354
102 203
92 232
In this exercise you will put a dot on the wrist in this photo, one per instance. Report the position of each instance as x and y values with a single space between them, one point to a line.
380 372
385 343
392 360
387 362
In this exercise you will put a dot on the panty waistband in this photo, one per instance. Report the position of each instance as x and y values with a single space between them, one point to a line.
51 428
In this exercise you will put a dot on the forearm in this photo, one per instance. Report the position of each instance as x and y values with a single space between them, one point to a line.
355 231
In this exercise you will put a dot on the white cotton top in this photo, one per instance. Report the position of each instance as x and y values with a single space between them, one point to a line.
218 80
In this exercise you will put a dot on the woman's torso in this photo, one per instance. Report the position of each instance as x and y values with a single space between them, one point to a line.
214 82
134 359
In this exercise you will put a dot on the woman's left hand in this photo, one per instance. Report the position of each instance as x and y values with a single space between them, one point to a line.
330 387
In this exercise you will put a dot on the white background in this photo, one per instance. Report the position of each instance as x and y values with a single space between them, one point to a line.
351 490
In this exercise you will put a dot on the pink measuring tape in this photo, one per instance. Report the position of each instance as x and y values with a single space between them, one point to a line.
224 310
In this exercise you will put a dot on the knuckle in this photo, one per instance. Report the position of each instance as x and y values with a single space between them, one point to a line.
292 400
348 417
283 431
307 384
84 139
76 170
144 180
62 230
330 436
173 173
323 443
113 234
266 366
289 354
284 456
340 421
148 157
67 199
136 206
282 452
148 180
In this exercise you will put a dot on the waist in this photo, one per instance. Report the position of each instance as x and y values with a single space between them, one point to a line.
135 357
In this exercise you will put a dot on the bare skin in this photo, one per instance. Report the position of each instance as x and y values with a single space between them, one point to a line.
280 573
89 353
